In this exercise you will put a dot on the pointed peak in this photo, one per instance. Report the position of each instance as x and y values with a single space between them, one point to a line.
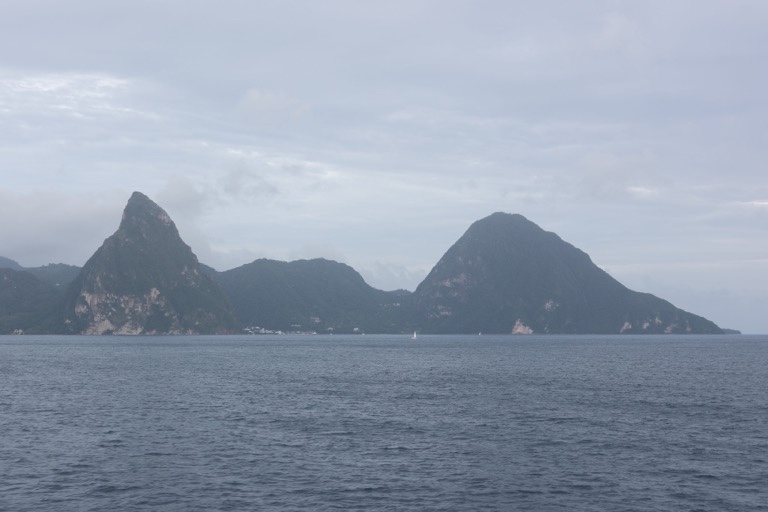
141 201
141 206
139 198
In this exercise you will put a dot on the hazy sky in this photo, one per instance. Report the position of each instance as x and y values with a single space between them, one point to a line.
375 133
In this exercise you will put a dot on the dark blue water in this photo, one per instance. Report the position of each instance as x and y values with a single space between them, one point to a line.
384 423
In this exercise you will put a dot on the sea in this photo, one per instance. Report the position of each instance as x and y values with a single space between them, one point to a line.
368 423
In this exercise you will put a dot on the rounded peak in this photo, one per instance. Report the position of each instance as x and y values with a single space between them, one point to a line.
504 216
9 263
502 220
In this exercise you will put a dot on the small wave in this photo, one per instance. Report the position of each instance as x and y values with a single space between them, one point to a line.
337 433
111 443
113 489
364 489
706 476
580 487
399 448
286 444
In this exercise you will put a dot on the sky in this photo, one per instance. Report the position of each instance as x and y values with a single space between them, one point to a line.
375 133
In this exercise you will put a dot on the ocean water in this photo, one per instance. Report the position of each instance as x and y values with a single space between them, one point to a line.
318 423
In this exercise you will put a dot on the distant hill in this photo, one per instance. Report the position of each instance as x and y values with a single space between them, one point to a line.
9 263
29 296
145 280
57 274
25 301
507 275
313 296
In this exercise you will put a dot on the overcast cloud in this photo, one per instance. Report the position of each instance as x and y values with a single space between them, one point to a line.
375 133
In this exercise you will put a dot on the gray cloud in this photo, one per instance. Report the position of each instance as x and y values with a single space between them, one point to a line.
271 106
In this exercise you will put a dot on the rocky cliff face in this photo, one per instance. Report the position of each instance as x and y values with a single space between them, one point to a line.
145 280
507 275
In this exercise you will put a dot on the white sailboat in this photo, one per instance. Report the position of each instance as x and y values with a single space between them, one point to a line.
414 335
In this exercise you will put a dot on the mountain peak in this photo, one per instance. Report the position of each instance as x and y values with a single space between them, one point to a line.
141 213
506 274
504 216
505 221
139 203
145 280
